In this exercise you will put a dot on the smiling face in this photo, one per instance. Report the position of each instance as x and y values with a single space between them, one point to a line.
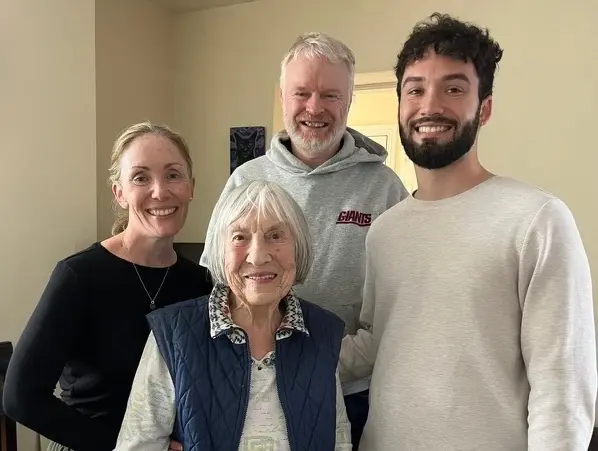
440 113
259 260
315 103
155 186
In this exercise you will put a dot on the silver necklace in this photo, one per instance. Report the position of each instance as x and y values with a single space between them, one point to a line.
152 299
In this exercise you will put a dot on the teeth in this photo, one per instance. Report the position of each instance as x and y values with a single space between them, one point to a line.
161 211
258 278
433 128
315 124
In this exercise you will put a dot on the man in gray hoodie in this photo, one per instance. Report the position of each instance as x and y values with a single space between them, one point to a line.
335 174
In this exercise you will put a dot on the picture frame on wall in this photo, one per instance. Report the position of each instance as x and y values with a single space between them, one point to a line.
246 143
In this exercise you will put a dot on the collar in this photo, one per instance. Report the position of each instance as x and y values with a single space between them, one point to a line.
221 320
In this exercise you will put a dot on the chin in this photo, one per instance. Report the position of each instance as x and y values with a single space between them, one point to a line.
262 299
167 231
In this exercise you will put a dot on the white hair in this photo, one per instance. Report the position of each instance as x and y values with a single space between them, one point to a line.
319 45
267 199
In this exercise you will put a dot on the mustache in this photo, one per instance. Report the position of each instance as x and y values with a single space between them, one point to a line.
437 118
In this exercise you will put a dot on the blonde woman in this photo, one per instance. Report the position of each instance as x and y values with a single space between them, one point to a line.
89 327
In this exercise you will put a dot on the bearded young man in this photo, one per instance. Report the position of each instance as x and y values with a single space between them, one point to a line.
336 175
477 291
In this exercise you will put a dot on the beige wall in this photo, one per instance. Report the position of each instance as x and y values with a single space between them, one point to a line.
47 112
134 48
373 107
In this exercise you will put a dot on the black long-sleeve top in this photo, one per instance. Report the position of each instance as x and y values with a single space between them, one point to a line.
88 332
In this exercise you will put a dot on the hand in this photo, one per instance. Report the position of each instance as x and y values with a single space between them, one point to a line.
175 446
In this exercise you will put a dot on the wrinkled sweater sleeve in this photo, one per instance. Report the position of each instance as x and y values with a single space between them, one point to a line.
557 332
150 415
39 358
358 352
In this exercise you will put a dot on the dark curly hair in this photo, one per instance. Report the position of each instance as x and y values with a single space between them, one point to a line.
455 39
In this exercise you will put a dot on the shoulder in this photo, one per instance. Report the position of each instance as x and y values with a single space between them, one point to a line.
315 315
554 221
384 174
383 171
186 308
84 262
523 203
510 189
188 268
251 169
192 279
92 253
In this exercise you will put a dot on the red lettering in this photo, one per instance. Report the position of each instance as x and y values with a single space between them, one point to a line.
354 217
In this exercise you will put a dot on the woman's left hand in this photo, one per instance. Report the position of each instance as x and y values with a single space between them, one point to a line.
175 446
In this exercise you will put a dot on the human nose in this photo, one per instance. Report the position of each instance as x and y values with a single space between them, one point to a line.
160 189
314 105
431 103
258 253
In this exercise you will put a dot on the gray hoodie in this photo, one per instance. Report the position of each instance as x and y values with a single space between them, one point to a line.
340 199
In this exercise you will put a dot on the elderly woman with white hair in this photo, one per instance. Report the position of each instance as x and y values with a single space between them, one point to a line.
251 366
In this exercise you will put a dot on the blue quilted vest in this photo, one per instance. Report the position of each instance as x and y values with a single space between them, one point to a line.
212 378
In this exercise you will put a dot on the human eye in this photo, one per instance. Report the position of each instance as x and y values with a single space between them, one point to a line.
455 90
238 237
416 91
174 175
140 179
276 235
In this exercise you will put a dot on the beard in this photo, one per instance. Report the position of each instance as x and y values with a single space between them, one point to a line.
314 143
433 154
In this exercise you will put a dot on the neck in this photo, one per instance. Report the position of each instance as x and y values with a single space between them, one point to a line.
452 180
146 251
315 159
256 320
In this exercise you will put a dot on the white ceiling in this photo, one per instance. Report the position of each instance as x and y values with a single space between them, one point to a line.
193 5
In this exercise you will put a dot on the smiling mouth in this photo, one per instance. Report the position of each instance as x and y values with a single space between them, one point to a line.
162 212
313 124
429 129
265 277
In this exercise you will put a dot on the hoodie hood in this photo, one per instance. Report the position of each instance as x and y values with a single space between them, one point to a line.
356 148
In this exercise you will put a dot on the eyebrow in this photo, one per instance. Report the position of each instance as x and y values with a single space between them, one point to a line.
242 228
166 166
449 77
323 91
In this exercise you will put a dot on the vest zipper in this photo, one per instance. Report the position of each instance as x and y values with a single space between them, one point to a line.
248 383
282 403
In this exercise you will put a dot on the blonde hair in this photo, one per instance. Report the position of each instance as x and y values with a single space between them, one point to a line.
122 143
319 45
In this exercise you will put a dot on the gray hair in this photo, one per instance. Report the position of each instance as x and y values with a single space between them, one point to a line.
268 200
319 45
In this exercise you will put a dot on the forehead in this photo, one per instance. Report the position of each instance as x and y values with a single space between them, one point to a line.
257 222
317 73
434 67
149 150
